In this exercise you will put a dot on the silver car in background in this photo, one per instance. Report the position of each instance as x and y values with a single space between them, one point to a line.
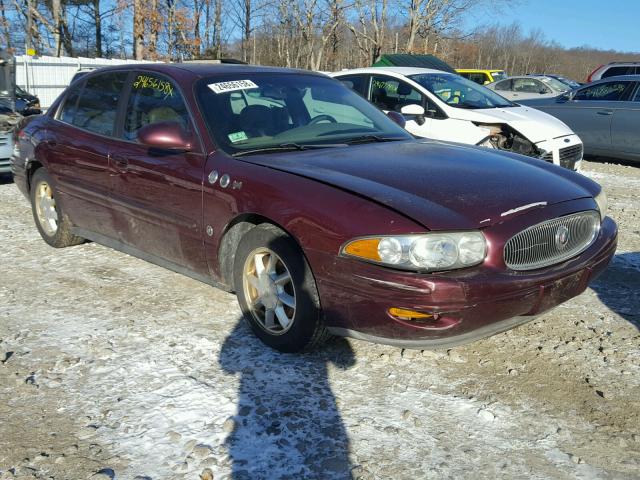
8 119
605 114
529 86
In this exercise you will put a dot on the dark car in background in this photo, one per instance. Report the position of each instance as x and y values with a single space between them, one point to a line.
605 114
322 214
614 69
27 103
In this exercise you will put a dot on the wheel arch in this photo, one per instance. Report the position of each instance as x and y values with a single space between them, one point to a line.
230 239
31 167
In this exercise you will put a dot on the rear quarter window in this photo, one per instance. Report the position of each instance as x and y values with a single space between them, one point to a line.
615 71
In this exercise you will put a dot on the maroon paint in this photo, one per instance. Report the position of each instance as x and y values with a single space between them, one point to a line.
166 135
161 203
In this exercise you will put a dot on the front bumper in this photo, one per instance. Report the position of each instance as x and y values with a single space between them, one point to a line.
469 304
563 151
6 148
5 165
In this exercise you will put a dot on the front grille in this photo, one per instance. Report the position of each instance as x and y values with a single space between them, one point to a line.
570 155
548 157
552 241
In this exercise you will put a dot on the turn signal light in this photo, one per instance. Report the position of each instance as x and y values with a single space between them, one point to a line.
365 248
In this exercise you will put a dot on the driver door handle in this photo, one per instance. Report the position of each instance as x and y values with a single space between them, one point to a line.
120 163
605 112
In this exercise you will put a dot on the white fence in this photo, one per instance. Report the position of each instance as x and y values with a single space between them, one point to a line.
47 77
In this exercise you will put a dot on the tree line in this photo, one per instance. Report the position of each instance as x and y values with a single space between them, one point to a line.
312 34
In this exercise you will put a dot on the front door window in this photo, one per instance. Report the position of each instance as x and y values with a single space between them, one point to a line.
154 98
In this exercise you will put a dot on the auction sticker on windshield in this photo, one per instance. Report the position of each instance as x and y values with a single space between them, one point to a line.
222 87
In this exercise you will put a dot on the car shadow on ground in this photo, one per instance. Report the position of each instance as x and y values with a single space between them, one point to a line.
618 286
6 178
287 423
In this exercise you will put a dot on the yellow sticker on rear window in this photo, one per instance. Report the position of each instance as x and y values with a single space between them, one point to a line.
223 87
237 137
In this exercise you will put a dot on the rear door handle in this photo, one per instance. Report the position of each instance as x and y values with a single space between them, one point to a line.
605 112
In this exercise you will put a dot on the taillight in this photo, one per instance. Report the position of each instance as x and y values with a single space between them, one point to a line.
592 73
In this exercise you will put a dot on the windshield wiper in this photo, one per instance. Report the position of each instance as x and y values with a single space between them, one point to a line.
371 138
287 147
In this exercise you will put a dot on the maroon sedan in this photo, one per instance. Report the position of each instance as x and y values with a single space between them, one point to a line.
321 213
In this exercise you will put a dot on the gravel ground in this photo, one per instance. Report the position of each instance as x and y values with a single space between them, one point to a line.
115 368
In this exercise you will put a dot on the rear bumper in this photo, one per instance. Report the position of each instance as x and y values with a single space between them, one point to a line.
466 305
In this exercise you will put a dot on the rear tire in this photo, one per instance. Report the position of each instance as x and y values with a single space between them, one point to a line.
53 225
277 292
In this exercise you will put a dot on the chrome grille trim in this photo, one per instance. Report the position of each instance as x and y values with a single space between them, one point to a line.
538 246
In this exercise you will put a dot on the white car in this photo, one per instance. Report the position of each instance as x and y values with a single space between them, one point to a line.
529 87
445 106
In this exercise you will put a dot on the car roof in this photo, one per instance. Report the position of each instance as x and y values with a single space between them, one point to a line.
533 75
202 69
621 63
479 70
406 71
628 78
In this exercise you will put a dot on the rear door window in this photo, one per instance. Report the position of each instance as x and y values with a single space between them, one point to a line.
479 78
154 98
504 85
68 109
98 104
357 83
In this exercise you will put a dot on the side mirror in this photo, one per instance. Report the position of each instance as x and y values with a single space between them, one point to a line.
416 111
396 117
565 97
165 136
412 109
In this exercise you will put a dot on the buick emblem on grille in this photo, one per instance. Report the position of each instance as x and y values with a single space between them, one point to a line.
562 237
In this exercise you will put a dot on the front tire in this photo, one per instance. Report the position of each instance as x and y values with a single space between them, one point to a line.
53 225
277 292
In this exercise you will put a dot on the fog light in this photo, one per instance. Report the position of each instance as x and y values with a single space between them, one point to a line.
404 314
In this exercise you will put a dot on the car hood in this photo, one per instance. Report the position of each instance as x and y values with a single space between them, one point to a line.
440 185
535 125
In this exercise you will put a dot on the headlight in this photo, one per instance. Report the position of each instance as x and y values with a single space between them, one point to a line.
425 252
601 200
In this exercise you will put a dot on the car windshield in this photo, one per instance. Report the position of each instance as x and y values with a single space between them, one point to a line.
555 84
459 92
254 112
568 81
500 75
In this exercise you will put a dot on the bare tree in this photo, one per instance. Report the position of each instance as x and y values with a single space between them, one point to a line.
370 31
